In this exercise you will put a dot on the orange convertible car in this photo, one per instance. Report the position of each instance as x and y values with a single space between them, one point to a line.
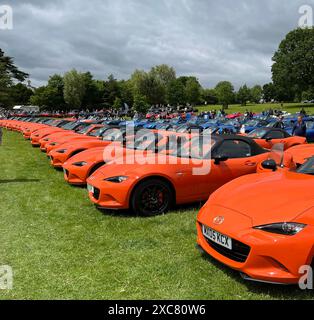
79 167
262 224
268 137
197 169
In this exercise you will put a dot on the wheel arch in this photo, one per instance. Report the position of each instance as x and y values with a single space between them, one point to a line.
76 152
95 167
150 177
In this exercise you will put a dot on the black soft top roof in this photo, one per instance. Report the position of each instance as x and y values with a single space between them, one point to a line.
256 148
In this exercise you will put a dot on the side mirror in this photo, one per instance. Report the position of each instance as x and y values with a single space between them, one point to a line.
269 139
220 158
269 164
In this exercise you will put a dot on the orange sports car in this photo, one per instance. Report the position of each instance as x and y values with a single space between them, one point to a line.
64 151
56 126
28 129
286 160
82 131
79 167
268 137
262 225
189 175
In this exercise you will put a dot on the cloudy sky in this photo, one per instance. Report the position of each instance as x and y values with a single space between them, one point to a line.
213 40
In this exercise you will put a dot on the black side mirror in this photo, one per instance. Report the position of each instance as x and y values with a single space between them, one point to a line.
268 139
220 158
269 164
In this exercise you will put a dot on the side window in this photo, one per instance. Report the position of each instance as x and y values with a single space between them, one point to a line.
275 135
235 149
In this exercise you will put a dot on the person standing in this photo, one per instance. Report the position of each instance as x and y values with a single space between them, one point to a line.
279 123
299 129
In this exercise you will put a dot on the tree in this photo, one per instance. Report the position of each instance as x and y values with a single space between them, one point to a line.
175 93
50 96
126 92
94 91
8 73
111 90
44 97
56 87
256 94
269 92
192 91
293 68
11 69
149 86
117 105
225 93
140 104
164 75
74 88
209 96
20 94
308 95
243 95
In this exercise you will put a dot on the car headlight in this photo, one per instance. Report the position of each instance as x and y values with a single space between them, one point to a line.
80 164
62 151
117 179
285 228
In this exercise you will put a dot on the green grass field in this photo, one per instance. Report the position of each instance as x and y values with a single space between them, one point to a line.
61 247
289 107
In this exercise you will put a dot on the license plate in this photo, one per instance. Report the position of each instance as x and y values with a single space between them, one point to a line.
217 237
90 188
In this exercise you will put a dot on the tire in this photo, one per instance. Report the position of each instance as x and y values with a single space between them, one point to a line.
152 197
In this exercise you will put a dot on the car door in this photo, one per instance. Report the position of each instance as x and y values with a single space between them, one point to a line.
240 161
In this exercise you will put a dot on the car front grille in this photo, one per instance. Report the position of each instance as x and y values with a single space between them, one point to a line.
96 193
239 252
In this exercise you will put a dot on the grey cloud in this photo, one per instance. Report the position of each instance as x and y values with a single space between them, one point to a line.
213 40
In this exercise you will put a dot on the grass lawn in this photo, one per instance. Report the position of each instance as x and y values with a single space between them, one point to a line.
60 246
289 107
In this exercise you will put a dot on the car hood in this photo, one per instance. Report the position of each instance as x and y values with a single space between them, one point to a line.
301 153
126 166
267 197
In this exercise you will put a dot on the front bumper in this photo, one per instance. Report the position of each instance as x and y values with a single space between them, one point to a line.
57 159
76 175
272 258
110 195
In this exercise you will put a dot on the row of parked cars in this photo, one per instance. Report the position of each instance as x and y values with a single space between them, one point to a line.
259 214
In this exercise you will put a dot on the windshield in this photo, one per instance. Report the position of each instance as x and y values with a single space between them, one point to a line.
70 125
251 123
97 132
307 167
112 134
257 133
145 142
57 123
197 148
277 154
85 130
